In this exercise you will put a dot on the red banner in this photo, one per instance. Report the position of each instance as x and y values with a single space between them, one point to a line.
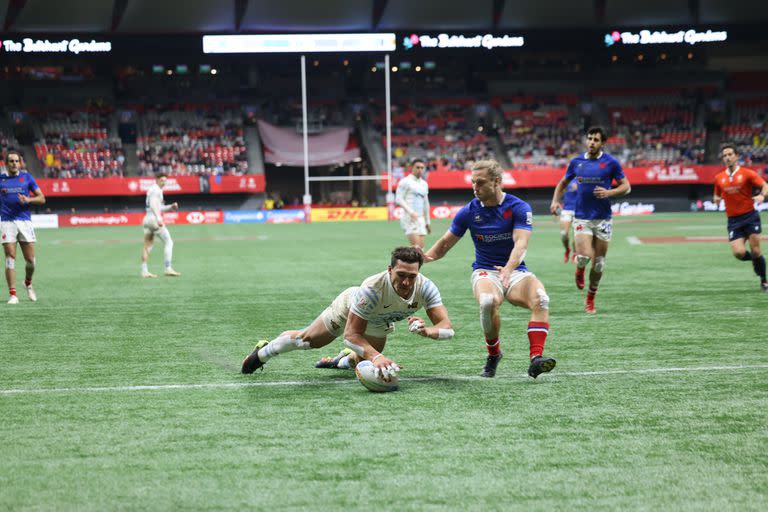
548 177
135 219
137 186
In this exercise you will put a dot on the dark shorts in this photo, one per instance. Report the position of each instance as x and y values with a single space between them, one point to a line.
742 226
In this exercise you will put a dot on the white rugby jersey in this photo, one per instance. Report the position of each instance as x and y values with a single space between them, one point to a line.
154 196
377 301
414 192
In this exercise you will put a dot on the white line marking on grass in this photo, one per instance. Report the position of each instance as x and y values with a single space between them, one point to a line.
633 240
457 378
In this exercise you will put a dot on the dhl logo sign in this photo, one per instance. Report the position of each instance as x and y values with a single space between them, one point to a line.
348 214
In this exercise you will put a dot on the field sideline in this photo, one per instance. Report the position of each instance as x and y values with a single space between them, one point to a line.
119 393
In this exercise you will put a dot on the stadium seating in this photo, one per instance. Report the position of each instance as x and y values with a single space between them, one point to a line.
438 131
76 144
653 127
191 139
748 128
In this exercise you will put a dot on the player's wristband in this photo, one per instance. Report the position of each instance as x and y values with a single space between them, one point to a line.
445 334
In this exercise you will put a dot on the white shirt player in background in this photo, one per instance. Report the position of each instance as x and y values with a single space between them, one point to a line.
413 197
365 315
154 225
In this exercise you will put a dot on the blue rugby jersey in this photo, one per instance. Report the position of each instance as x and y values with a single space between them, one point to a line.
590 173
491 229
10 188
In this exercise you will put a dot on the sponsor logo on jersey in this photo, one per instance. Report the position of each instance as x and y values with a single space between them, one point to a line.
414 305
494 237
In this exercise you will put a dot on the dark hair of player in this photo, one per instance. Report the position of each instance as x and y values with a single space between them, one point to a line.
160 175
598 129
727 145
418 161
406 255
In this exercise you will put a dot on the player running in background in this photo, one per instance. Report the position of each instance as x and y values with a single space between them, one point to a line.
365 315
500 225
735 186
154 225
413 197
595 172
566 219
17 191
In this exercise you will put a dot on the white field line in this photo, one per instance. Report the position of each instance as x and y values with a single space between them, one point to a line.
633 240
449 378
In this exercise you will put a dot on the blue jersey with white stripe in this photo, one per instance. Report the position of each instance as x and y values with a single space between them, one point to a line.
491 229
590 173
10 188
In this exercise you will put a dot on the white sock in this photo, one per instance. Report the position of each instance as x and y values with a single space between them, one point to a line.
343 363
281 345
144 268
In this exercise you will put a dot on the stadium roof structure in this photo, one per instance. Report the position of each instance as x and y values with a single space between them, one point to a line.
270 16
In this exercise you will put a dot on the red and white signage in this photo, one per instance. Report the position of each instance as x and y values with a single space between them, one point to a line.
136 219
547 177
435 212
136 186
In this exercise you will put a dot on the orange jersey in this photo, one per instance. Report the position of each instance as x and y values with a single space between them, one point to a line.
736 190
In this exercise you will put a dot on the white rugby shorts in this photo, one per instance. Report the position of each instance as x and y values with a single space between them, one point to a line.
334 317
413 227
601 228
12 231
494 276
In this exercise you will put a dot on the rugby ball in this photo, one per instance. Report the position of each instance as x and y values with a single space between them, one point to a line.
368 377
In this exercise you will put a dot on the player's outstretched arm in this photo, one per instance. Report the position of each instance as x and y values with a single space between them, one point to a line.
354 338
441 247
441 329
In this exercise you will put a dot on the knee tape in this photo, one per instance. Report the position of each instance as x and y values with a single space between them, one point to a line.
599 264
582 261
487 303
10 263
149 249
543 298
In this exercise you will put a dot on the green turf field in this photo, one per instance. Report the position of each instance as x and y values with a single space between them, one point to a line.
118 393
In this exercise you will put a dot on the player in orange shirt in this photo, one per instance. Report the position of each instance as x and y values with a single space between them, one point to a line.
735 185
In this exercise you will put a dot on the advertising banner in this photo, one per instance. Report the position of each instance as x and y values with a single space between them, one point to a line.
264 216
136 218
138 186
348 214
546 177
45 221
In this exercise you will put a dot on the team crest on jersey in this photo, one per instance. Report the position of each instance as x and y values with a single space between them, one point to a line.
413 305
579 227
363 302
478 219
482 274
529 218
479 238
601 165
507 214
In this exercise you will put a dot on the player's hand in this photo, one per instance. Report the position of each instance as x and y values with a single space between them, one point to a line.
174 206
759 198
601 192
385 367
427 259
23 199
505 272
414 216
417 326
555 208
